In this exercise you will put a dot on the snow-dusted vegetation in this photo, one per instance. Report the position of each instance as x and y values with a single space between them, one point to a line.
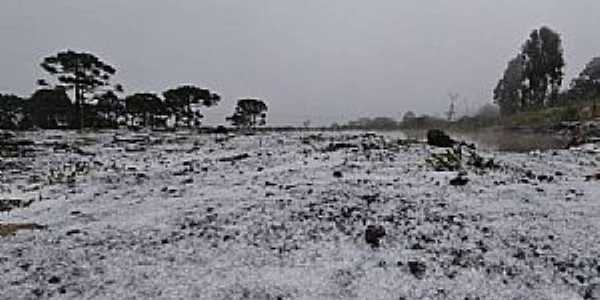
117 215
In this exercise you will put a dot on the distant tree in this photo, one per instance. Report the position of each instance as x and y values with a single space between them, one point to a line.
12 108
238 120
383 123
306 124
183 101
84 73
587 84
423 122
144 106
249 113
408 116
508 94
533 78
544 63
110 107
51 108
377 123
361 123
488 111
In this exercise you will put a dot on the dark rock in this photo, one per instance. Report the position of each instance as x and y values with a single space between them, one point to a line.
373 235
338 174
54 280
417 268
370 198
25 266
38 292
141 176
135 149
73 232
459 180
439 138
339 146
220 130
592 292
592 177
82 152
10 204
520 254
235 158
417 246
529 174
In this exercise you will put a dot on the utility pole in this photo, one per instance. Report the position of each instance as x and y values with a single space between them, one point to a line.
452 110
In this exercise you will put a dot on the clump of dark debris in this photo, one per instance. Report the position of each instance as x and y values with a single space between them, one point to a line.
374 234
438 138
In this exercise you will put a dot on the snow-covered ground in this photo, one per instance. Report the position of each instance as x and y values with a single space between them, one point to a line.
179 216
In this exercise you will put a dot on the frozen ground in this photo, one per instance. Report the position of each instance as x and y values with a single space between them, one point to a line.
177 216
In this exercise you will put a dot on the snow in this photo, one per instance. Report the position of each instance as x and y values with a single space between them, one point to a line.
158 216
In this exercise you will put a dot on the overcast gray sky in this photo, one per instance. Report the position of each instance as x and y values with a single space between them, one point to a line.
325 60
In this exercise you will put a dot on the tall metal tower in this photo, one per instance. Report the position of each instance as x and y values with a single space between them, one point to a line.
452 110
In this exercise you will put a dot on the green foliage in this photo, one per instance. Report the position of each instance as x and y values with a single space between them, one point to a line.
508 94
12 109
569 113
551 116
109 108
456 160
67 173
84 73
587 84
544 65
533 78
51 109
183 101
145 106
451 160
249 113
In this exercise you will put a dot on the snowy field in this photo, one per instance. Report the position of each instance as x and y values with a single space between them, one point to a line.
184 216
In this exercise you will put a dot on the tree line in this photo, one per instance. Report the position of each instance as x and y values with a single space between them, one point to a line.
533 78
81 94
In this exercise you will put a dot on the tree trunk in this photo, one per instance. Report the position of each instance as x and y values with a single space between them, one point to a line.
78 94
189 115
